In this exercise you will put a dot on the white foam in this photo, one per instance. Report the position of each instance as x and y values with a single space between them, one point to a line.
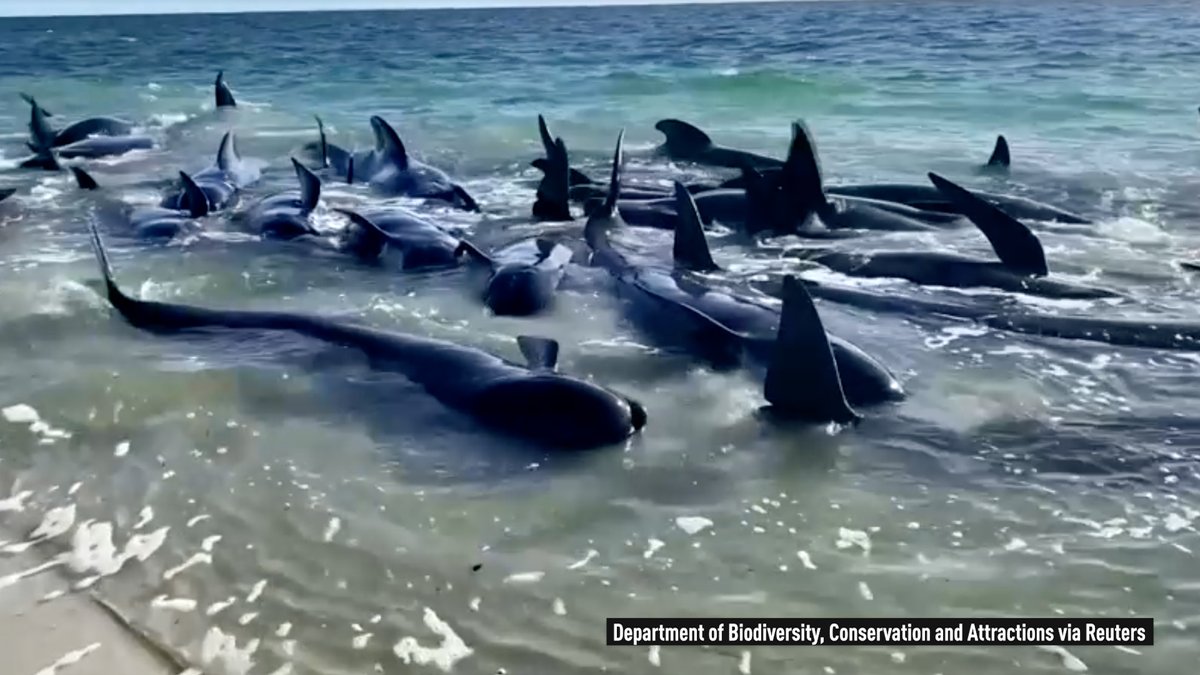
655 656
331 530
859 538
257 591
805 560
1069 660
174 604
245 619
524 578
69 659
865 591
652 545
559 607
1016 544
26 414
218 646
360 641
15 502
218 607
450 651
693 524
1175 522
592 553
122 449
56 522
144 517
196 519
196 559
284 630
474 604
209 542
744 663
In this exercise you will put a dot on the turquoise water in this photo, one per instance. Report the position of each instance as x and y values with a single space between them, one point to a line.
1023 477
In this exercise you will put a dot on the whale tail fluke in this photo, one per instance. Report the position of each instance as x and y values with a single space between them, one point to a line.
1014 243
552 202
803 382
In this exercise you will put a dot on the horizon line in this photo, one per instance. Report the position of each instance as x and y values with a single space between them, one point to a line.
422 5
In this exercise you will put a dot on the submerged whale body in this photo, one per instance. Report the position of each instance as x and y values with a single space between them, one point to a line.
148 222
522 279
534 401
285 215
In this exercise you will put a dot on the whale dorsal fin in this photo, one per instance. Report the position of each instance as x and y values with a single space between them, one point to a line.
223 95
324 141
547 139
5 193
41 133
540 353
349 169
227 154
84 179
475 254
684 140
388 142
310 186
1000 156
195 201
691 246
609 206
802 379
1014 243
577 177
801 173
552 201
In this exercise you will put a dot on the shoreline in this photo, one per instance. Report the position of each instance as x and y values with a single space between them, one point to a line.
77 632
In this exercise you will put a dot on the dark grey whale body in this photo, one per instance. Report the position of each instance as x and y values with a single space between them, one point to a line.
1021 267
44 135
220 182
808 375
399 238
105 146
686 143
148 222
389 169
284 216
534 402
523 278
222 94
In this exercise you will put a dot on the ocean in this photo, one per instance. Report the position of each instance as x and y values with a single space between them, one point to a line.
283 507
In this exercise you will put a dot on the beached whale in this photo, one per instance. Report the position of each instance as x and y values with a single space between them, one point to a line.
534 401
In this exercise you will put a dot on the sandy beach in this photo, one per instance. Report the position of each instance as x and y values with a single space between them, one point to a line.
71 633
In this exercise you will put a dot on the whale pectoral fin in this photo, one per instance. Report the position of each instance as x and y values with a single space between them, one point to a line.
195 201
802 379
1190 266
224 96
388 142
554 192
477 256
1000 156
540 353
691 246
465 199
684 140
310 186
84 180
1014 243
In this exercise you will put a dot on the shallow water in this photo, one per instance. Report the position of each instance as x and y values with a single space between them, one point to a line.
287 508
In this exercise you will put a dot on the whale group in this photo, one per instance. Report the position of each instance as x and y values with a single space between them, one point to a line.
686 305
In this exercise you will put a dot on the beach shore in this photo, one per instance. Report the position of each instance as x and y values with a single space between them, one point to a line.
72 634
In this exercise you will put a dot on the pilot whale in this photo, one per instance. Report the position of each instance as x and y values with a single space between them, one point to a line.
148 222
285 215
523 278
808 375
1021 267
685 142
534 401
399 238
221 183
389 169
43 134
